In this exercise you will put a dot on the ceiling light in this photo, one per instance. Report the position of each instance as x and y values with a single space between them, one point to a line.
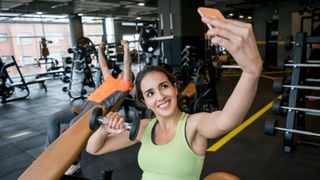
80 14
249 17
138 18
141 4
240 16
39 13
230 14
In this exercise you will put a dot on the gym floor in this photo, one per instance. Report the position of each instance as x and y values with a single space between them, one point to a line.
250 154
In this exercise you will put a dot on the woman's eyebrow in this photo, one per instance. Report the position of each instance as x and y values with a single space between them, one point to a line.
148 90
164 82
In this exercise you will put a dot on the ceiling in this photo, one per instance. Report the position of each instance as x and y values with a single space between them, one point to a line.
105 8
123 9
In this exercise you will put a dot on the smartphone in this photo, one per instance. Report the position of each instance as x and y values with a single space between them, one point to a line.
209 12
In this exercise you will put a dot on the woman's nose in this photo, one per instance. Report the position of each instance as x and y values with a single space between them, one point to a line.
160 96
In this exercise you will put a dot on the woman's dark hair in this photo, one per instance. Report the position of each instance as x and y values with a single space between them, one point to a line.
146 70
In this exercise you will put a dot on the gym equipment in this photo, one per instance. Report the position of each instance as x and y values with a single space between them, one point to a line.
59 156
282 66
81 69
288 42
97 119
206 99
51 64
289 62
148 40
187 71
271 128
220 66
279 85
295 109
8 86
186 100
279 107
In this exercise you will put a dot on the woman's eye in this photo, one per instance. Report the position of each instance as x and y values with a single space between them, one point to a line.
149 94
164 86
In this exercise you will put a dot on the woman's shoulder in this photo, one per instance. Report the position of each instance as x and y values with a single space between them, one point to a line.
196 117
194 120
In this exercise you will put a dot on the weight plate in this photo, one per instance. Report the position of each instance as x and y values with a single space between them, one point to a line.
269 127
94 123
144 40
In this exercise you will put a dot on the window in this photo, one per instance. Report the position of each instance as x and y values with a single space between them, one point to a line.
3 37
110 30
54 38
24 38
132 37
27 59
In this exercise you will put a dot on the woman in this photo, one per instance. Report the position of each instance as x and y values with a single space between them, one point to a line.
173 144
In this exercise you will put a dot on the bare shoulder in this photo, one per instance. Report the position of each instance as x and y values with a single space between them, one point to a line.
198 117
196 120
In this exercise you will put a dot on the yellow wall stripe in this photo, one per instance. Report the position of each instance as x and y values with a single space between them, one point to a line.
264 42
237 130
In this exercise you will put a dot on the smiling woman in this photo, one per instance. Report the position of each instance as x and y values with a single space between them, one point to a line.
174 143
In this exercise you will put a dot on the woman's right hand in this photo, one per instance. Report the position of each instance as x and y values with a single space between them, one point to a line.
114 124
125 44
101 46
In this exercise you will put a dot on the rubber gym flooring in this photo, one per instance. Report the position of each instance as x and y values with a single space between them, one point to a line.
250 154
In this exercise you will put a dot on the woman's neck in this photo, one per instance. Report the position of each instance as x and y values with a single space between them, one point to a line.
169 121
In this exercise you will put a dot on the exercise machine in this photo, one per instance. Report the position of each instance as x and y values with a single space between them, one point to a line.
8 86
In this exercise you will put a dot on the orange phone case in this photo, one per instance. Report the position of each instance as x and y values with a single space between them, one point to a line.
209 12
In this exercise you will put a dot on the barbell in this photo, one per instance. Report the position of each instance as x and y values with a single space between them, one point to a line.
271 128
288 42
97 119
148 40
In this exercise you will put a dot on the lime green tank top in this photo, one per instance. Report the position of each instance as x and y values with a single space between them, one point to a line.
172 161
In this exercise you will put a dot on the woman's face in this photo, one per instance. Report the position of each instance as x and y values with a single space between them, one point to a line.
159 94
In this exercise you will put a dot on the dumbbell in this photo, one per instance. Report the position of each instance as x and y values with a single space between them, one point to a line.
66 89
271 128
97 119
280 107
68 60
280 83
219 66
288 61
65 79
67 69
276 107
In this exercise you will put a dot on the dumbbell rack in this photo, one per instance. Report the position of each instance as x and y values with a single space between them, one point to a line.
295 118
80 70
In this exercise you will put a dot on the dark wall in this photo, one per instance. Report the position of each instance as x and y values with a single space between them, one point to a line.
181 19
281 11
119 30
